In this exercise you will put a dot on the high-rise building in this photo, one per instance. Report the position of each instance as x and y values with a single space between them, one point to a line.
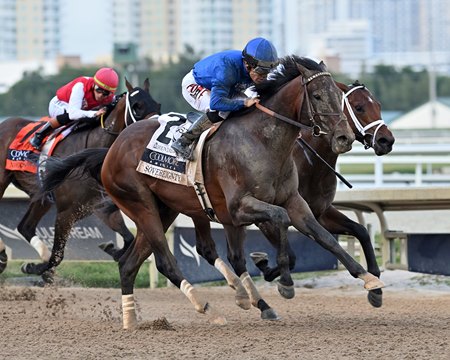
36 29
397 32
350 35
8 50
166 27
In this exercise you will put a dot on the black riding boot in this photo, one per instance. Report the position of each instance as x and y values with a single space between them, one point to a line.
183 145
39 135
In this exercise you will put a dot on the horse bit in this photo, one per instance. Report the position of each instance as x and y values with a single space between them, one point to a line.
362 129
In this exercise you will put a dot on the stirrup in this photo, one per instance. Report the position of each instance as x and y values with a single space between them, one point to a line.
185 152
36 143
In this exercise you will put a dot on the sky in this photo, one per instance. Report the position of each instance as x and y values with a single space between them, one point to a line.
86 27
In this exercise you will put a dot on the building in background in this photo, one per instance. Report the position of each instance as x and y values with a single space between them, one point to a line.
351 36
37 29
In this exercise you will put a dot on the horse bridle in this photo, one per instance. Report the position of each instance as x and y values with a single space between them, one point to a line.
362 129
128 114
315 129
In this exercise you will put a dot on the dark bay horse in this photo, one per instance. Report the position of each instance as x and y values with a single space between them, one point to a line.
73 202
250 177
317 184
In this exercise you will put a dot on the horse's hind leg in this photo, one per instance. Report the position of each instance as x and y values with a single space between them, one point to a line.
112 217
207 249
337 223
27 227
144 213
129 265
236 257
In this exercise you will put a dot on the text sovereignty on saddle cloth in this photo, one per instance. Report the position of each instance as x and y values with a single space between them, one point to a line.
159 160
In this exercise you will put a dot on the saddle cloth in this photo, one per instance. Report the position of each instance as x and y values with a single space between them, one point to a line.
24 157
159 160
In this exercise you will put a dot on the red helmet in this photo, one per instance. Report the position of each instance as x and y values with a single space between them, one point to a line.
107 79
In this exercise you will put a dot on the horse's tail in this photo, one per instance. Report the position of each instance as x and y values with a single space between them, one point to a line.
84 164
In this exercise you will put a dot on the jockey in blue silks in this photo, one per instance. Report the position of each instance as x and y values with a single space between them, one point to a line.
215 82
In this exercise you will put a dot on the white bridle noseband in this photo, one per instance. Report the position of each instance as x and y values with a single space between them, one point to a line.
127 107
362 129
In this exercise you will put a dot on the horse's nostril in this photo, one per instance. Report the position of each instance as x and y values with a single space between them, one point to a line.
342 139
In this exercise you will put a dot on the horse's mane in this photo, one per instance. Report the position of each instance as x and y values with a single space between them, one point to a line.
286 70
113 104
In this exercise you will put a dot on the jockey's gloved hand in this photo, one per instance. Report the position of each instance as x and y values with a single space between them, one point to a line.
250 92
101 111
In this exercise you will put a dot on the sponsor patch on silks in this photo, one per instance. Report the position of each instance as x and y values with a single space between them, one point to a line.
22 156
159 160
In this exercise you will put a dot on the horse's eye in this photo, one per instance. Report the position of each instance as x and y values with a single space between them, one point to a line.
316 96
359 108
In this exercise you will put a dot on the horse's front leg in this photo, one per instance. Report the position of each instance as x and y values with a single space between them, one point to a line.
63 225
207 249
110 214
304 221
337 223
261 259
252 210
27 227
235 242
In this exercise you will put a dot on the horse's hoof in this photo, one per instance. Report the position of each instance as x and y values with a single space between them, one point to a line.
107 248
375 297
3 261
243 302
286 291
269 314
257 257
27 268
48 276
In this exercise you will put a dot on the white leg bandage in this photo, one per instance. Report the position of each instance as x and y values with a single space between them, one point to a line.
128 310
188 290
242 298
251 288
39 246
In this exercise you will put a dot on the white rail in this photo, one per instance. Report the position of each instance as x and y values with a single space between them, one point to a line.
431 166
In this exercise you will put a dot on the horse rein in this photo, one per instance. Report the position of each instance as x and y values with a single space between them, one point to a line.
128 111
362 129
315 129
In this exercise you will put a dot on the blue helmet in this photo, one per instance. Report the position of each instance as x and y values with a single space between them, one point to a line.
260 54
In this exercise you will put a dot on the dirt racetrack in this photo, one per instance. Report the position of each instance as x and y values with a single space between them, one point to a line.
332 321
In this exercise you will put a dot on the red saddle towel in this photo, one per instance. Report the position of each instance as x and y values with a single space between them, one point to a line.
22 156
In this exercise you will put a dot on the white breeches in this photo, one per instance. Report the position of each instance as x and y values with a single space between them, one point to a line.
56 107
196 95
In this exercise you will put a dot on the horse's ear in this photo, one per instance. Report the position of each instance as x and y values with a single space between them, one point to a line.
147 85
323 66
304 71
127 83
342 86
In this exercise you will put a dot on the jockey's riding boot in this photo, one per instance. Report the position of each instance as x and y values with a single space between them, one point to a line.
183 144
39 135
